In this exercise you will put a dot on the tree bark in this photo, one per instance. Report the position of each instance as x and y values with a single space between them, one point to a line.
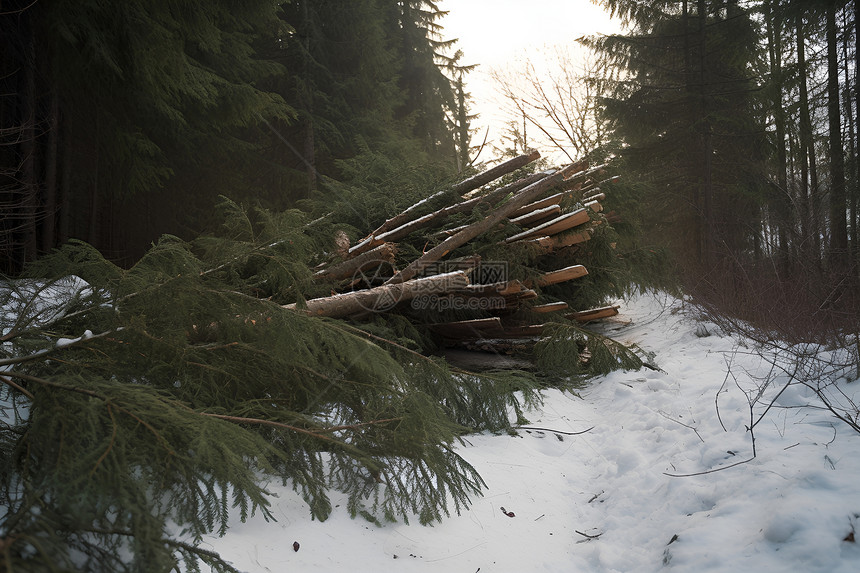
593 314
557 225
838 227
495 172
29 180
49 225
364 262
852 174
707 214
436 217
524 197
773 22
550 244
550 307
809 223
382 298
560 276
537 216
460 188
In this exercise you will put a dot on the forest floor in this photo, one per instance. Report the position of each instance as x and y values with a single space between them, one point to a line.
594 484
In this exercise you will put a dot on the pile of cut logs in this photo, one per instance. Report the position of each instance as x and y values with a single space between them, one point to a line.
533 203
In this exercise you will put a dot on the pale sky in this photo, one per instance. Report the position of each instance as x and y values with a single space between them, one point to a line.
500 33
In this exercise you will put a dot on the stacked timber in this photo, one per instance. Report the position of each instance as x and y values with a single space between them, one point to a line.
547 212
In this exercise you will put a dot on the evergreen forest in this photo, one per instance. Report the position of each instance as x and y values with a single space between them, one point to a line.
174 175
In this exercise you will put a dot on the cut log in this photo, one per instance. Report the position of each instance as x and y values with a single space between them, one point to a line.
495 172
437 217
593 314
524 197
460 188
469 329
524 331
539 204
560 276
500 345
362 263
366 244
509 288
549 244
550 307
514 299
382 298
557 225
536 216
595 206
594 196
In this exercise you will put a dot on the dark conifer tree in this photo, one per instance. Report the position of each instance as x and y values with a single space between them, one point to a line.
421 49
683 106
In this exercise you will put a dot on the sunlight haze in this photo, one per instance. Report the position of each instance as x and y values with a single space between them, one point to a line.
500 34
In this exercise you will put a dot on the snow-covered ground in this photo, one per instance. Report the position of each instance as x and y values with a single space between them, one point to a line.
604 500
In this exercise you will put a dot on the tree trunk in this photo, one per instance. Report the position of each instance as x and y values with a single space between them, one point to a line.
49 224
310 156
29 179
95 199
707 215
773 22
850 113
810 221
838 248
383 298
65 214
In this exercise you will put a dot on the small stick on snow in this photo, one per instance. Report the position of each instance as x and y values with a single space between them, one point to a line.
589 536
555 431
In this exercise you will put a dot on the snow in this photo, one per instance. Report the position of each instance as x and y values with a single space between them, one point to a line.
38 302
63 342
609 497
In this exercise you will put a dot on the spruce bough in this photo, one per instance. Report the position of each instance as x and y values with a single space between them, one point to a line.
142 406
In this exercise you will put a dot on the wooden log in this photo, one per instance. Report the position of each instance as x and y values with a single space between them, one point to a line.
364 262
508 288
459 188
560 276
537 216
495 172
539 204
595 206
449 232
437 217
366 244
499 345
549 244
593 314
382 298
469 329
525 331
524 197
515 298
579 179
550 307
613 179
557 225
484 328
